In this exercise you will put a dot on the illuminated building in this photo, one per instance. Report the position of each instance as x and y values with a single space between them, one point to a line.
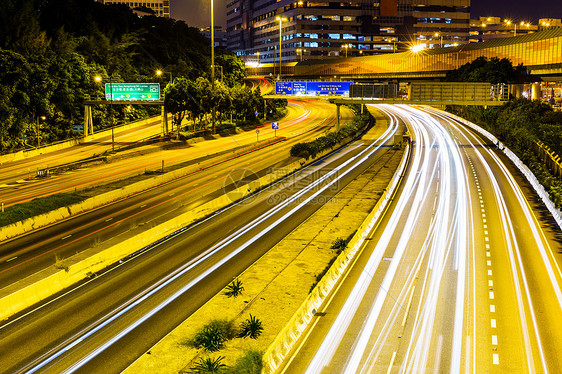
161 8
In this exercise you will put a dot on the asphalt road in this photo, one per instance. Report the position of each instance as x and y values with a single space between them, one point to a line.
106 323
18 183
113 223
462 275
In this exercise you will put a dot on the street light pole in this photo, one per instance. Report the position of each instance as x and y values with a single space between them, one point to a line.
213 60
280 19
112 116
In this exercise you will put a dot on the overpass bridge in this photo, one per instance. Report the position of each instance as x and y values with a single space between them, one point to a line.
540 53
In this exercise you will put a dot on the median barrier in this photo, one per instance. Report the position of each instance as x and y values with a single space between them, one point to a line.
531 178
287 338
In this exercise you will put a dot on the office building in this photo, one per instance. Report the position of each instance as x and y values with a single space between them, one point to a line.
491 28
161 8
322 29
220 35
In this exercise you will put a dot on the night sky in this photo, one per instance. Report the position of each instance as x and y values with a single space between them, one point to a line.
197 12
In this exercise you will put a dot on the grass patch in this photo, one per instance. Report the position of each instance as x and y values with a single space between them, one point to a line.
250 363
35 207
339 245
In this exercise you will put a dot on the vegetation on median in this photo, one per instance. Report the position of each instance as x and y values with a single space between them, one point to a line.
331 139
36 207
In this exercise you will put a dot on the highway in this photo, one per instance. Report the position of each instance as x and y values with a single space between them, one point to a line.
104 324
17 187
461 276
28 254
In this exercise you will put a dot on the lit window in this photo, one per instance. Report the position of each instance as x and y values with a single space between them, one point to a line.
334 36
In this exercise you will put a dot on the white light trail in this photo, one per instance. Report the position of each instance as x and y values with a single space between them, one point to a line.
338 172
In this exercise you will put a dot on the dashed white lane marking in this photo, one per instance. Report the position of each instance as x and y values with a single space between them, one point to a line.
487 254
496 359
490 283
109 219
489 263
491 295
142 206
66 237
494 340
11 259
492 308
490 272
493 323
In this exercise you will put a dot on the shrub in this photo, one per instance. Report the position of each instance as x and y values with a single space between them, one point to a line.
251 327
213 335
234 289
250 363
208 366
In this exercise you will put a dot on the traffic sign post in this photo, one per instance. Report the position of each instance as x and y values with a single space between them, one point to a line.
258 135
275 126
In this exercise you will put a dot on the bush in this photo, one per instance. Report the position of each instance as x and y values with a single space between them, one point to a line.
250 363
252 327
213 335
331 139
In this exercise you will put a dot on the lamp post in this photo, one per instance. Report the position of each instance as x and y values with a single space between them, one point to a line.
213 60
441 36
160 72
98 79
508 22
42 118
280 19
346 46
258 64
301 51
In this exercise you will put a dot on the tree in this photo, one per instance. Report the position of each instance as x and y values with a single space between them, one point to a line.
233 68
492 71
181 96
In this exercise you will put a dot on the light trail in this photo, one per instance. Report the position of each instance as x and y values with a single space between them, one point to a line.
328 179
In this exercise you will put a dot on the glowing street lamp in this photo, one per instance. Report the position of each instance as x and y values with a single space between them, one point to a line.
301 51
280 19
441 36
508 23
98 78
346 46
160 72
418 48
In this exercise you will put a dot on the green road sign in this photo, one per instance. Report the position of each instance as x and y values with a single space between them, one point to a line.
132 91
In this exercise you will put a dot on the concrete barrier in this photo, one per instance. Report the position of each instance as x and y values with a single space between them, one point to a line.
287 338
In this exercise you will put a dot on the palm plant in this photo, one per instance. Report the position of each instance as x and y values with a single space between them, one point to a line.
208 366
210 338
234 289
251 327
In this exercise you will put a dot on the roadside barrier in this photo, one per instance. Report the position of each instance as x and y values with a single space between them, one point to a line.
287 338
539 189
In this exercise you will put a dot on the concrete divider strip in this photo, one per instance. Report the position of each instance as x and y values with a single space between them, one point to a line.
288 337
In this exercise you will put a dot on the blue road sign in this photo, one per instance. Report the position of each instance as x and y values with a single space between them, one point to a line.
275 125
77 128
313 88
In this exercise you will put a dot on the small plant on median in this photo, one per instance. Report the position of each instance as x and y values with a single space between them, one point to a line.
250 363
234 289
213 335
208 366
251 327
339 244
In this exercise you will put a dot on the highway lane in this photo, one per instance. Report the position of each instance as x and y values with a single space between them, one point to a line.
77 331
111 224
21 169
16 187
459 277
